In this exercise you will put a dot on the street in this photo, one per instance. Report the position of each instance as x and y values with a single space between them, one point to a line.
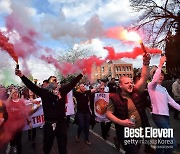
98 146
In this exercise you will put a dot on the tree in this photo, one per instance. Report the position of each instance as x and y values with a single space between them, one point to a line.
71 55
162 24
157 19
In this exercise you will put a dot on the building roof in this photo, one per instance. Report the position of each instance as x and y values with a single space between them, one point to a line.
119 61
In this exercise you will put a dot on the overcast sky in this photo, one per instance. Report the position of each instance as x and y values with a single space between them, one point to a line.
61 24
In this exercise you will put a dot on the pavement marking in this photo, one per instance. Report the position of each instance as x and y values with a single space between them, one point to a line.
108 142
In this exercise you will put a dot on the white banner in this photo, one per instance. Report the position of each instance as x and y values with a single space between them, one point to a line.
101 100
70 104
36 113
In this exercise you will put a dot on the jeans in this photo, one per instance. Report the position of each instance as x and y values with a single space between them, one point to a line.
83 124
59 132
105 127
162 121
16 141
32 134
129 148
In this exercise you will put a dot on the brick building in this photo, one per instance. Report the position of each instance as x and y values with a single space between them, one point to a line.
113 69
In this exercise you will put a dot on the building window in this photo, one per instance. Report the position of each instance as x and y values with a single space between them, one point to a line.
123 68
129 68
117 69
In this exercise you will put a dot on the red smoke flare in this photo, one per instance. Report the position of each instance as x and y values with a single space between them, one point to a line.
8 47
26 44
120 33
112 55
68 68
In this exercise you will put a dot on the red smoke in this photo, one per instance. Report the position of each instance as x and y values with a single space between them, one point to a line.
116 33
14 123
68 68
8 47
112 55
26 45
87 63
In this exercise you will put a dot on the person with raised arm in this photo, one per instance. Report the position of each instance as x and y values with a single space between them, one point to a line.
128 103
160 99
53 102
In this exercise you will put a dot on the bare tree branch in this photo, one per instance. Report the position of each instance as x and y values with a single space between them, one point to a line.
157 19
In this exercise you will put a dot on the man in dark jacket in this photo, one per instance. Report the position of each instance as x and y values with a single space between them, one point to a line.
128 103
53 102
83 112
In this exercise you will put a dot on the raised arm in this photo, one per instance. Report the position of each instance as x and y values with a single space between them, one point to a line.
67 88
154 82
34 88
141 84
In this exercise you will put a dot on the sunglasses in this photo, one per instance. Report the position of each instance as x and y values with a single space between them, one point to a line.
102 88
53 80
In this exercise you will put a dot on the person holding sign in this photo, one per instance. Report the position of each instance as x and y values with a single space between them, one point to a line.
101 100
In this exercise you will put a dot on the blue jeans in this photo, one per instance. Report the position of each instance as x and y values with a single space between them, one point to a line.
83 124
162 121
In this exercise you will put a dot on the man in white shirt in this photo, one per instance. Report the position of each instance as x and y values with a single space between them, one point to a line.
160 110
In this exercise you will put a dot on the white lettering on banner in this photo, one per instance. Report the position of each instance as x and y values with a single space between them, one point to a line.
148 132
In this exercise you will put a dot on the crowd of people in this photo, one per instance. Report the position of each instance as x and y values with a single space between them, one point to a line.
126 99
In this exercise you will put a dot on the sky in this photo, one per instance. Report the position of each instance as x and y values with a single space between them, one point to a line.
49 28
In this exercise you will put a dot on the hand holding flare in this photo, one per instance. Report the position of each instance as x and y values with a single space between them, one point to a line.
17 66
142 46
133 36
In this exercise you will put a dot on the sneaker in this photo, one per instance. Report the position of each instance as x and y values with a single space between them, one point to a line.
14 149
77 139
87 142
41 127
